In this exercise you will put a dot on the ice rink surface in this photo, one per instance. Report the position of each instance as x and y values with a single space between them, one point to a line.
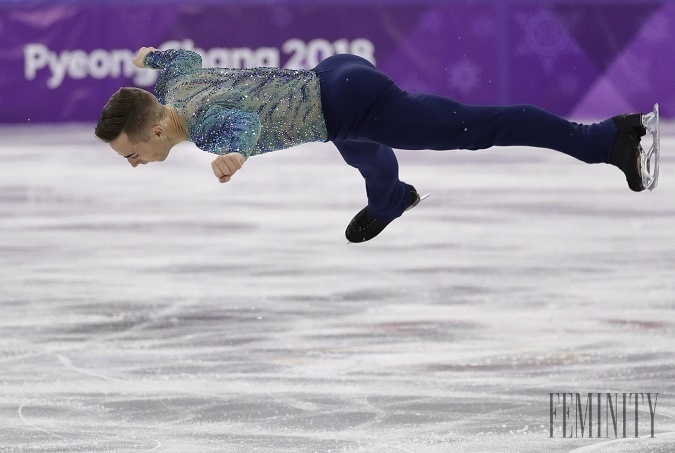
153 309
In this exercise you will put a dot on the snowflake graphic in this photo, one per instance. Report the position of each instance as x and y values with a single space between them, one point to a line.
545 37
464 76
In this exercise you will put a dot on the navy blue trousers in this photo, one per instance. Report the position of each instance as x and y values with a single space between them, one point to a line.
367 115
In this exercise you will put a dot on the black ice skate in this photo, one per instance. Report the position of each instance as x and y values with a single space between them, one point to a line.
364 226
640 165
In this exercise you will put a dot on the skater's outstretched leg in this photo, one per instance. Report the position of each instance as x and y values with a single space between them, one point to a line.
421 121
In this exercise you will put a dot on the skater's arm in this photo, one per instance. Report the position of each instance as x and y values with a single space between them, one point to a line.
221 130
172 60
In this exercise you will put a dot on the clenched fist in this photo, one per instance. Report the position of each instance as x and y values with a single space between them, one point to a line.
226 165
140 56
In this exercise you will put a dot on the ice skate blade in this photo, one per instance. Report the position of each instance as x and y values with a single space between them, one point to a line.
649 158
422 198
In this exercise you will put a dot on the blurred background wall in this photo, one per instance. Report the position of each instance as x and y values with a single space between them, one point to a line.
61 60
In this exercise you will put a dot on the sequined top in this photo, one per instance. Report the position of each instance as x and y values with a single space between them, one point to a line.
249 111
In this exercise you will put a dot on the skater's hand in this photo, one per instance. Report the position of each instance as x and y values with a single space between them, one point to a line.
140 56
224 166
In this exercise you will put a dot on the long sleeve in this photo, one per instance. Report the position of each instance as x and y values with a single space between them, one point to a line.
173 60
173 63
220 130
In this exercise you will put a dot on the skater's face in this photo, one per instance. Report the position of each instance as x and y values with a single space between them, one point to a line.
140 153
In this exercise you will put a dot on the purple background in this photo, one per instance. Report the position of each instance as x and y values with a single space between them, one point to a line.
576 58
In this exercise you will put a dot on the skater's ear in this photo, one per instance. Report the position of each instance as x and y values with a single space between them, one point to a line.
157 130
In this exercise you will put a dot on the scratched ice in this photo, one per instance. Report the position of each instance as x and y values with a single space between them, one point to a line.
153 309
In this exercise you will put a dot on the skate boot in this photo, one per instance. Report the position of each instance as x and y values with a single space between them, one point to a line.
364 226
627 150
640 166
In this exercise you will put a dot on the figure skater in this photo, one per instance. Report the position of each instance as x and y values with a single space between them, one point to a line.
238 113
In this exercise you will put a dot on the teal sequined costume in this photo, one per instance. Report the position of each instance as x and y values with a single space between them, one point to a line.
249 111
